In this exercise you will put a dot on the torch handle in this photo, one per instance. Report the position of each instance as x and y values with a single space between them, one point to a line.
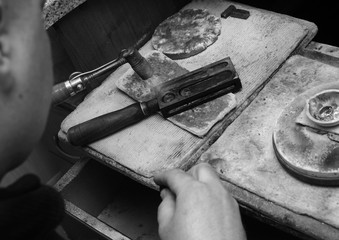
107 124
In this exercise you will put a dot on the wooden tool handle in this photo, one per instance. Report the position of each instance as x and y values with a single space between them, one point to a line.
60 93
109 123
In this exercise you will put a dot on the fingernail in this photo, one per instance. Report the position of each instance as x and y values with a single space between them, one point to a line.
163 193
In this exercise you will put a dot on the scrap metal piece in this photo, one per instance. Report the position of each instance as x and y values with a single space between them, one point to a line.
232 11
197 87
334 137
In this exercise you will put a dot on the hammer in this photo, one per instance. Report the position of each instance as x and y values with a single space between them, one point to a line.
79 81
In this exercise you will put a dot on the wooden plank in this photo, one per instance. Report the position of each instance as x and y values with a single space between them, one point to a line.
99 227
70 174
325 49
278 216
80 215
244 154
330 58
102 200
257 47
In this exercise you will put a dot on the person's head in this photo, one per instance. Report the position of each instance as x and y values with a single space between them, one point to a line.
25 80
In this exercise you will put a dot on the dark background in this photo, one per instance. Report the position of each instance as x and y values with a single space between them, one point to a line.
324 14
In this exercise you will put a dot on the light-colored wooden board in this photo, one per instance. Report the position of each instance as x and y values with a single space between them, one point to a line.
257 47
324 48
244 154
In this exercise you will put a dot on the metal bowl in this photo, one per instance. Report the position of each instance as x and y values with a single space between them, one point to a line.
323 108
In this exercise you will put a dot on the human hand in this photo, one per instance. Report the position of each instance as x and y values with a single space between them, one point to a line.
196 206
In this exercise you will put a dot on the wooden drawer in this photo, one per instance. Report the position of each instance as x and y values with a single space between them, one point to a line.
104 204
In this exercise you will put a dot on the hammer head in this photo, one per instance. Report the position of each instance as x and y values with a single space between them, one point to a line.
138 63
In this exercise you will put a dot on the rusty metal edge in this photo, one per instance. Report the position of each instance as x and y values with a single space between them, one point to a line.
94 223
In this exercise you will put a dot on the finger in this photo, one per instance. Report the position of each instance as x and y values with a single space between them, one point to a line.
165 192
173 179
204 173
166 208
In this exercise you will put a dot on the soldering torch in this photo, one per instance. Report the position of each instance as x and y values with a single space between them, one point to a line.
79 81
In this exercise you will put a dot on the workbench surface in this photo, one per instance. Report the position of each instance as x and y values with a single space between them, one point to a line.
243 154
257 47
248 166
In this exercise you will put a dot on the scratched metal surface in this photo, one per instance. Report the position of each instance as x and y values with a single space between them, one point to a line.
313 157
244 154
257 47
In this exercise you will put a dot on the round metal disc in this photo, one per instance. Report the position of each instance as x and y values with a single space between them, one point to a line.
308 154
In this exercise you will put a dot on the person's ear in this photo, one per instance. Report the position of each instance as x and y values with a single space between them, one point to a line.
6 81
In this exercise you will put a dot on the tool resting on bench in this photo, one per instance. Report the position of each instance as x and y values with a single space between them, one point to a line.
79 81
172 97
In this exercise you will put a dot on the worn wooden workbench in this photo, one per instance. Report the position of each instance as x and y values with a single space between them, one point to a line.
243 154
257 47
249 170
245 159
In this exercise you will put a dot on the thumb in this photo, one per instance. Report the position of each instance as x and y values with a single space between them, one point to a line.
166 208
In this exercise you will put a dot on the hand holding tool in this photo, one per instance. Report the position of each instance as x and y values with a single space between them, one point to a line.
79 81
173 97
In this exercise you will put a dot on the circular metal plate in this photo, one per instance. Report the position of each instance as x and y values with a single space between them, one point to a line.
306 153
